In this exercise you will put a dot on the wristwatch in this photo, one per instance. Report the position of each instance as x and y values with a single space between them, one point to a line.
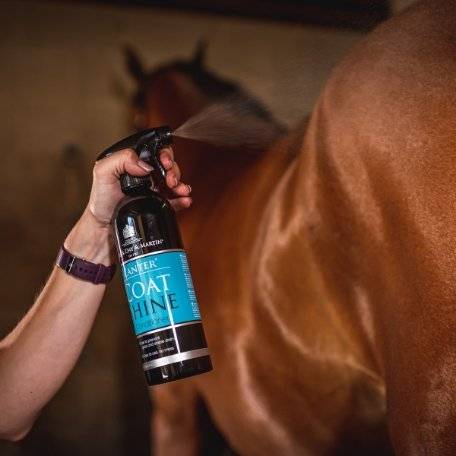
83 269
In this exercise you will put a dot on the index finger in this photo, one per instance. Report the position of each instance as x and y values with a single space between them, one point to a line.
167 157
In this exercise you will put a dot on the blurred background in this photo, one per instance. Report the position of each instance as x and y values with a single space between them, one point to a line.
64 96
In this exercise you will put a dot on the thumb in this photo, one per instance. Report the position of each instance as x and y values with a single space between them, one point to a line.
109 169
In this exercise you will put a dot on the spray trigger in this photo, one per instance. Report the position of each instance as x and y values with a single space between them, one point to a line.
147 144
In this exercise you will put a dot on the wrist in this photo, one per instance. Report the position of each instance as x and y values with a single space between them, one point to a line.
91 240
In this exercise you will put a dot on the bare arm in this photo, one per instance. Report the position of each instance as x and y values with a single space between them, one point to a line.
37 356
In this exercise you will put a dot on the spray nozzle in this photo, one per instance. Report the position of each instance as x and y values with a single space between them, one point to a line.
147 144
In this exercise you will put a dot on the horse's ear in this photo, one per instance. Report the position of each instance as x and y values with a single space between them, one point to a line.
134 64
200 53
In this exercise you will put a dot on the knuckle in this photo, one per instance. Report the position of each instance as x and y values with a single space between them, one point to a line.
96 170
128 154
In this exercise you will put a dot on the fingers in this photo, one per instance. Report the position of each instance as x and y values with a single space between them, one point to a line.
173 174
182 189
167 157
124 161
112 167
181 203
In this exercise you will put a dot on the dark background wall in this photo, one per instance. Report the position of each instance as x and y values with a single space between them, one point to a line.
63 97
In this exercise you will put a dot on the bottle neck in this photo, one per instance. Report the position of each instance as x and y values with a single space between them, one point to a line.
142 190
133 185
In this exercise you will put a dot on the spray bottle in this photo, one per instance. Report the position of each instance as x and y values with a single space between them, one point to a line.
156 274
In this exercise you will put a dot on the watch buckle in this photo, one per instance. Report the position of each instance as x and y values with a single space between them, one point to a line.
70 264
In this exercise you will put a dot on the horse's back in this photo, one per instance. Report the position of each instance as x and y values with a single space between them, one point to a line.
383 147
326 271
331 275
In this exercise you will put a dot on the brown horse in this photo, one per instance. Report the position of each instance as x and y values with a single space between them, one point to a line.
326 265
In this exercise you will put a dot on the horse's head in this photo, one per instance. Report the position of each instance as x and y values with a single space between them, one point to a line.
167 94
171 93
174 91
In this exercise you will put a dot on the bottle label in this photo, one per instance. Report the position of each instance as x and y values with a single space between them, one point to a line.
160 291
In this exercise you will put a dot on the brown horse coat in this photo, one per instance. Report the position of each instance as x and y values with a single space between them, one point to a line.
326 268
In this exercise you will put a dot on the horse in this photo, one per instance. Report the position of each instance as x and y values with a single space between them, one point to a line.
324 264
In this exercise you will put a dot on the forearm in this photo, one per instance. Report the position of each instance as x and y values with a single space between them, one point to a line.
38 355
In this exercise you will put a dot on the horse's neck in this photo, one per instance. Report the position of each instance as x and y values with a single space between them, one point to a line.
210 171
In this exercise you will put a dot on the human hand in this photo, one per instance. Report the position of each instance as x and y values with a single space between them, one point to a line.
106 191
90 238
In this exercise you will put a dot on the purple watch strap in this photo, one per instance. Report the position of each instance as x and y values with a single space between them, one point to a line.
84 270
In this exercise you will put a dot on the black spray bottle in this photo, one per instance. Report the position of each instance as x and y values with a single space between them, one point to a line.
156 275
